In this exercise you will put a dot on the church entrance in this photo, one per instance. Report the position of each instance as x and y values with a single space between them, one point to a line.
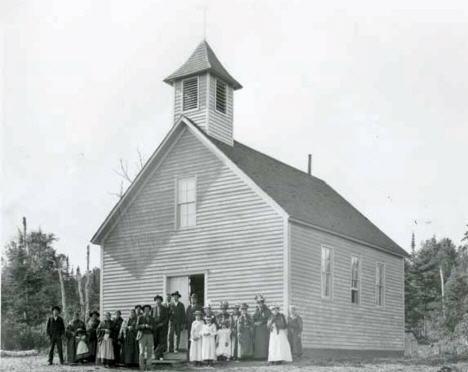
187 285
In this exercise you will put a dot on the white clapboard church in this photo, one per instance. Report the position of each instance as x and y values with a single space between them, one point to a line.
212 216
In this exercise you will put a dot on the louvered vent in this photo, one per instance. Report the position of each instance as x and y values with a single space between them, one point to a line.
190 94
221 96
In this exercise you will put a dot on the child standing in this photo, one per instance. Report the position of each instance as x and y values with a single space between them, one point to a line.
295 331
196 338
209 341
223 344
82 350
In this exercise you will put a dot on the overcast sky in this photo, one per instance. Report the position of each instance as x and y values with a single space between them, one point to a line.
377 95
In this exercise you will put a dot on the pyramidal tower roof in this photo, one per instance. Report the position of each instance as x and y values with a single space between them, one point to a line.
203 59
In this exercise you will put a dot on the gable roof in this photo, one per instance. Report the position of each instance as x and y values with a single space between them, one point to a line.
307 198
203 59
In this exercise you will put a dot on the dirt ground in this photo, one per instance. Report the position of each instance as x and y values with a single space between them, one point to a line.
39 364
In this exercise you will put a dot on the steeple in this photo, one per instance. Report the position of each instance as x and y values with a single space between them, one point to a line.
204 93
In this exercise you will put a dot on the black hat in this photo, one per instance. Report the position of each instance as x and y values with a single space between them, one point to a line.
94 312
138 306
145 306
55 307
176 293
158 296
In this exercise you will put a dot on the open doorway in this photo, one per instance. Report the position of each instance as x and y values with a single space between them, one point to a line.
197 285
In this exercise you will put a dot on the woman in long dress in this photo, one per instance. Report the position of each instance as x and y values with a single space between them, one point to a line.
70 334
91 329
245 333
295 332
127 337
261 335
279 350
105 351
234 318
223 342
209 341
196 338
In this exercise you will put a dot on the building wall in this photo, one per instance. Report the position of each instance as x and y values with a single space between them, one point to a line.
238 240
338 323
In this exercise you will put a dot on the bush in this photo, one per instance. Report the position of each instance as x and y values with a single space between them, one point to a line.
24 337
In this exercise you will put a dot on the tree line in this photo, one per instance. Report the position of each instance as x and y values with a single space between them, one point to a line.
436 288
34 278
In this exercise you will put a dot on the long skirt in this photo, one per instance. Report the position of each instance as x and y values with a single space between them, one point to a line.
209 348
105 352
295 341
234 345
70 356
82 350
261 337
196 350
130 353
245 344
279 349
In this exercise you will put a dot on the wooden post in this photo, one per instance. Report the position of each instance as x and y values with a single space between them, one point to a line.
442 289
87 284
62 289
80 292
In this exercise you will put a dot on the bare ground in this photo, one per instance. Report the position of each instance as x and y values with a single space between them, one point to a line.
39 364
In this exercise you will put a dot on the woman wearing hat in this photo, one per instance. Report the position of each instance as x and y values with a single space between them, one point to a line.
279 350
91 329
105 350
127 336
70 334
245 333
261 335
234 318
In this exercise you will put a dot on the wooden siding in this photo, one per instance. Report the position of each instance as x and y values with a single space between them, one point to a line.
198 116
238 240
337 323
220 126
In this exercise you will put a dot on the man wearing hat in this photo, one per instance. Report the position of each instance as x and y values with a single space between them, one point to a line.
55 331
190 316
145 324
161 321
176 322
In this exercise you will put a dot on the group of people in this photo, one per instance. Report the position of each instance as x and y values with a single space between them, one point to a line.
153 331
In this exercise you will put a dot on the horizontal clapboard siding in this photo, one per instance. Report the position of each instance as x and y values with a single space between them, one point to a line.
238 240
198 116
220 125
337 323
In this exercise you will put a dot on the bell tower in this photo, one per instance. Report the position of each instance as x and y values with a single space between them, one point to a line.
204 93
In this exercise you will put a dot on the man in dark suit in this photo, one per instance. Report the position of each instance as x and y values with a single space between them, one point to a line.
161 321
55 331
176 322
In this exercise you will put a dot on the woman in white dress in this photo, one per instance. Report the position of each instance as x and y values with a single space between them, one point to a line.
209 340
279 350
196 338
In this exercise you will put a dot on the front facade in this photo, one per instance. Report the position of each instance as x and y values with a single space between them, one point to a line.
211 216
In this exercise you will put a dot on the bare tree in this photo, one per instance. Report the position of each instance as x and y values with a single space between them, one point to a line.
126 178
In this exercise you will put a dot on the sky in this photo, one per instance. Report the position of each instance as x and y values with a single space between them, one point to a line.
377 94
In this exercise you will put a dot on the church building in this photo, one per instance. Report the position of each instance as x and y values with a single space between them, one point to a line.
212 216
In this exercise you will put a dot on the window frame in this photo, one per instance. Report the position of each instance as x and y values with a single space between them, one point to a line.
376 286
198 94
359 280
226 97
177 210
331 249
